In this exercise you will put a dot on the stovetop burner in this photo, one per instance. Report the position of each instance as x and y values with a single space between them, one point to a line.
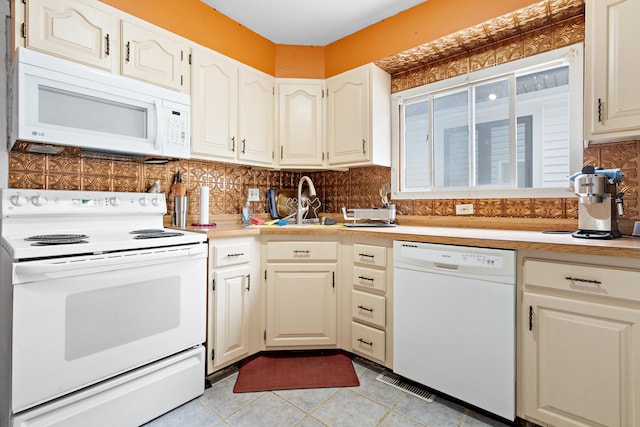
57 239
155 234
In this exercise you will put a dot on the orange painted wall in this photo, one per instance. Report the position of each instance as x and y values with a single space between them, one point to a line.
427 21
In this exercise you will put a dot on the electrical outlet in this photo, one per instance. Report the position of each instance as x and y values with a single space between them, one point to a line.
466 209
254 195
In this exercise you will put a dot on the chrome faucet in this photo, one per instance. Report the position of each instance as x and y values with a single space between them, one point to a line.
304 208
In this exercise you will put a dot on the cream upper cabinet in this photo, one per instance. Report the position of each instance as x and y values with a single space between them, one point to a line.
580 334
98 35
154 55
214 105
300 120
612 103
82 32
358 117
255 117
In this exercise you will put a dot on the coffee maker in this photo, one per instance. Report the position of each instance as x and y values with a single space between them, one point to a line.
599 203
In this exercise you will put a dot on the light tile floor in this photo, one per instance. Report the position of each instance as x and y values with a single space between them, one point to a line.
371 404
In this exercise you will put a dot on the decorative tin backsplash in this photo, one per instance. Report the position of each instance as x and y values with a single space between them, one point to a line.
540 27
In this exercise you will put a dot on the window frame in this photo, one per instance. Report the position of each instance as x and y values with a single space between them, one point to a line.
571 55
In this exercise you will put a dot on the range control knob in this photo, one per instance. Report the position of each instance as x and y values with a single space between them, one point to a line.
115 201
19 200
39 200
144 201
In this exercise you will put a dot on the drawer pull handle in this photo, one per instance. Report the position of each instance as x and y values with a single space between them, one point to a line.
301 252
577 279
369 343
365 278
362 307
238 254
367 256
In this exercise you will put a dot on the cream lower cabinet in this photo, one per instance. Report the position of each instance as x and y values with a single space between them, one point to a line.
371 303
301 294
234 302
580 339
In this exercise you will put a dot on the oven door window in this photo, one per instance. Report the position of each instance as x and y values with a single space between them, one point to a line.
72 332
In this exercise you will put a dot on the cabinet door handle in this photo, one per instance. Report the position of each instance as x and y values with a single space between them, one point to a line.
364 147
369 279
248 282
128 53
369 343
577 279
531 318
362 307
281 152
107 45
244 145
600 107
233 144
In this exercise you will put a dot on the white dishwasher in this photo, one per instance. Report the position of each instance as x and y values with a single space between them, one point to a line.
454 322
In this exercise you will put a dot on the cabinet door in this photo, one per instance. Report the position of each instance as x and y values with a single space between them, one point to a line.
582 362
74 31
152 55
348 117
611 69
231 314
300 120
301 304
256 117
214 105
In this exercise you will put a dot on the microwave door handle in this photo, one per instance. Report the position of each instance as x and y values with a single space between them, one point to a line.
159 128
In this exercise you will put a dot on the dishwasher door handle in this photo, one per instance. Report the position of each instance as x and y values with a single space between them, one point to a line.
445 267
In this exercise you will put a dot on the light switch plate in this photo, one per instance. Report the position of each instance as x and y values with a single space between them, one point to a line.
254 195
464 209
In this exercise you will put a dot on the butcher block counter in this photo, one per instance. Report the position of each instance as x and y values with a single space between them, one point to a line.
553 240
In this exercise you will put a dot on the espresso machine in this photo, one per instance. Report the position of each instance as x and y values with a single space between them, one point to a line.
599 203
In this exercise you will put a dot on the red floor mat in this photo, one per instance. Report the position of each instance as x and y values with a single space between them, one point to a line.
294 370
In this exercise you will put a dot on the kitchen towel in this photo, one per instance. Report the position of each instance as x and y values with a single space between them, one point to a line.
204 204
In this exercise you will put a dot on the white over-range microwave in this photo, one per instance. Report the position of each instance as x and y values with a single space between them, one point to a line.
60 102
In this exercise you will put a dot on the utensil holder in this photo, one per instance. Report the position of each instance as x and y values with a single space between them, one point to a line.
180 207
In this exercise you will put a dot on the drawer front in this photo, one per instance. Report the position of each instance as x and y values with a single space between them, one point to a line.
233 254
368 308
302 251
583 279
368 341
370 255
369 278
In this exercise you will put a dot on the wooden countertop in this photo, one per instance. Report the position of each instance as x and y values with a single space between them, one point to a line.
625 247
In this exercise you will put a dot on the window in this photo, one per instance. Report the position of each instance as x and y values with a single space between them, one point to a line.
514 130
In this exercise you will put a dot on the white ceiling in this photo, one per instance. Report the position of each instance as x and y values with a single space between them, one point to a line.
308 22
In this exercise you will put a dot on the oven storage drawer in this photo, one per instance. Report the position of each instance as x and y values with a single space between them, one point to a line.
302 251
225 255
368 308
600 281
368 341
152 390
370 255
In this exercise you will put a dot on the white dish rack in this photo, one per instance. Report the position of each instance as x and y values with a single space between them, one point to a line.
373 217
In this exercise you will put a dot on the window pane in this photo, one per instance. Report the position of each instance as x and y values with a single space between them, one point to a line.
451 140
544 97
416 146
493 141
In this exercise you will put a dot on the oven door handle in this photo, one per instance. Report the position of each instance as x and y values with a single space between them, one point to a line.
37 270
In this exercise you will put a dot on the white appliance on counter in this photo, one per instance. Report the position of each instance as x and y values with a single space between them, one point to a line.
103 310
56 101
454 322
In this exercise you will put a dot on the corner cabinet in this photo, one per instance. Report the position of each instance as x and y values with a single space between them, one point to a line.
232 111
301 290
233 303
100 36
612 95
580 340
300 119
359 118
